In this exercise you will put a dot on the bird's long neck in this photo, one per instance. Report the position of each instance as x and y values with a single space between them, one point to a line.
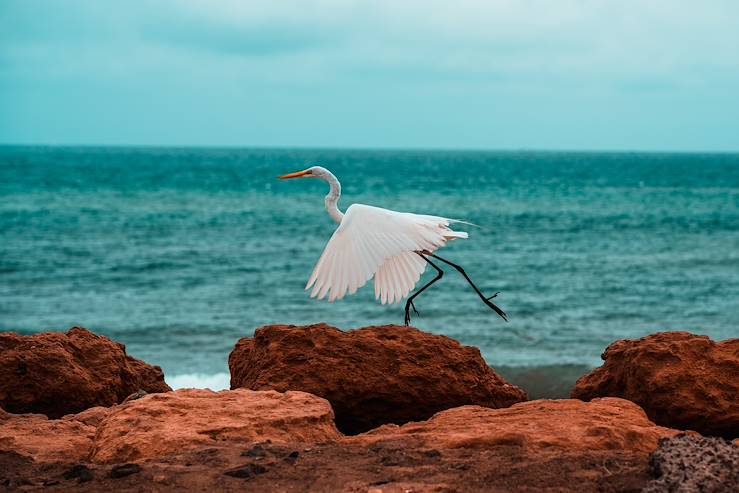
332 199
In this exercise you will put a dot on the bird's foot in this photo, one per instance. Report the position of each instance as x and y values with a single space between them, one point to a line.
414 309
493 296
409 304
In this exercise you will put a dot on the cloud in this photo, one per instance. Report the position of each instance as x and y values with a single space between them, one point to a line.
530 56
515 35
615 39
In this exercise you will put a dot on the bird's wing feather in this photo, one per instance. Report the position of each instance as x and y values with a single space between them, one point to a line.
397 276
374 241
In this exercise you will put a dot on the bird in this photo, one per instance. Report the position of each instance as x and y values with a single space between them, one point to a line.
393 247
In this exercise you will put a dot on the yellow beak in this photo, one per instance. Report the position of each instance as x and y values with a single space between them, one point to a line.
298 174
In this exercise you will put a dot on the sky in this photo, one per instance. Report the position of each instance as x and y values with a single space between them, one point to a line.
496 74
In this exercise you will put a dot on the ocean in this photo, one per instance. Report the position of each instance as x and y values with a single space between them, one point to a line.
179 252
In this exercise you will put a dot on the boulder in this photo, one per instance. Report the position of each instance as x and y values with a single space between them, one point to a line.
62 373
159 425
371 376
681 380
41 439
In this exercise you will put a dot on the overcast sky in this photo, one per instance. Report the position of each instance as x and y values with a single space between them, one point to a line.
548 74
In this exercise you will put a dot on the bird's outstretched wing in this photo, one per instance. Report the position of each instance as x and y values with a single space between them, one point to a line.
397 276
380 242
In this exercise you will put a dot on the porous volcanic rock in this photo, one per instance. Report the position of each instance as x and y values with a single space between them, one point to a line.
371 376
695 463
158 425
682 380
63 373
41 439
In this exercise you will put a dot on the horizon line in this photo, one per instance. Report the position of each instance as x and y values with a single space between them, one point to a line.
371 148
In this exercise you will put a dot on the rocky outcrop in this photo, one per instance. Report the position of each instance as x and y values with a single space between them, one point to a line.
567 445
695 463
371 376
159 425
63 373
265 440
681 380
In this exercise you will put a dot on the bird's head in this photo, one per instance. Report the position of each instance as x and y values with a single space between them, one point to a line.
312 172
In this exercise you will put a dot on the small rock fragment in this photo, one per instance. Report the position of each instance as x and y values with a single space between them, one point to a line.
124 470
256 452
136 395
160 478
292 457
246 471
80 472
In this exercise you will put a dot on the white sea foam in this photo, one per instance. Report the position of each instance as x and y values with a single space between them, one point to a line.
218 381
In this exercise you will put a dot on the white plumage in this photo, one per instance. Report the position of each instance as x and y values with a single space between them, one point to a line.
371 241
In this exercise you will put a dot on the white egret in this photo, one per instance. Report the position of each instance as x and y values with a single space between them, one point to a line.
394 247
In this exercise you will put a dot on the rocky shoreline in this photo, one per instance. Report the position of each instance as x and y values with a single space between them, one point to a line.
378 409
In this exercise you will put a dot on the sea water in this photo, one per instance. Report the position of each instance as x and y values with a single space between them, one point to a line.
180 252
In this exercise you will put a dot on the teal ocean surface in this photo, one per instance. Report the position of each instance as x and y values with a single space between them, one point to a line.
179 252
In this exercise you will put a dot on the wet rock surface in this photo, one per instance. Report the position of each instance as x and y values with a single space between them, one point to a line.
63 373
685 464
681 380
371 376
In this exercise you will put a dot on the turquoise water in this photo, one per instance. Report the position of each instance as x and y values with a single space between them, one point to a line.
179 252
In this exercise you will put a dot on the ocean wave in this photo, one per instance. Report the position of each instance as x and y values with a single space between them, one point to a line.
217 381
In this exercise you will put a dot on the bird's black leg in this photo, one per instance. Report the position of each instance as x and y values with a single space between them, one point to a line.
484 299
409 304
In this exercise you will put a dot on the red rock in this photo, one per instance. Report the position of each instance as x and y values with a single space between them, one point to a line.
681 380
159 425
50 440
63 373
203 441
371 376
538 427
